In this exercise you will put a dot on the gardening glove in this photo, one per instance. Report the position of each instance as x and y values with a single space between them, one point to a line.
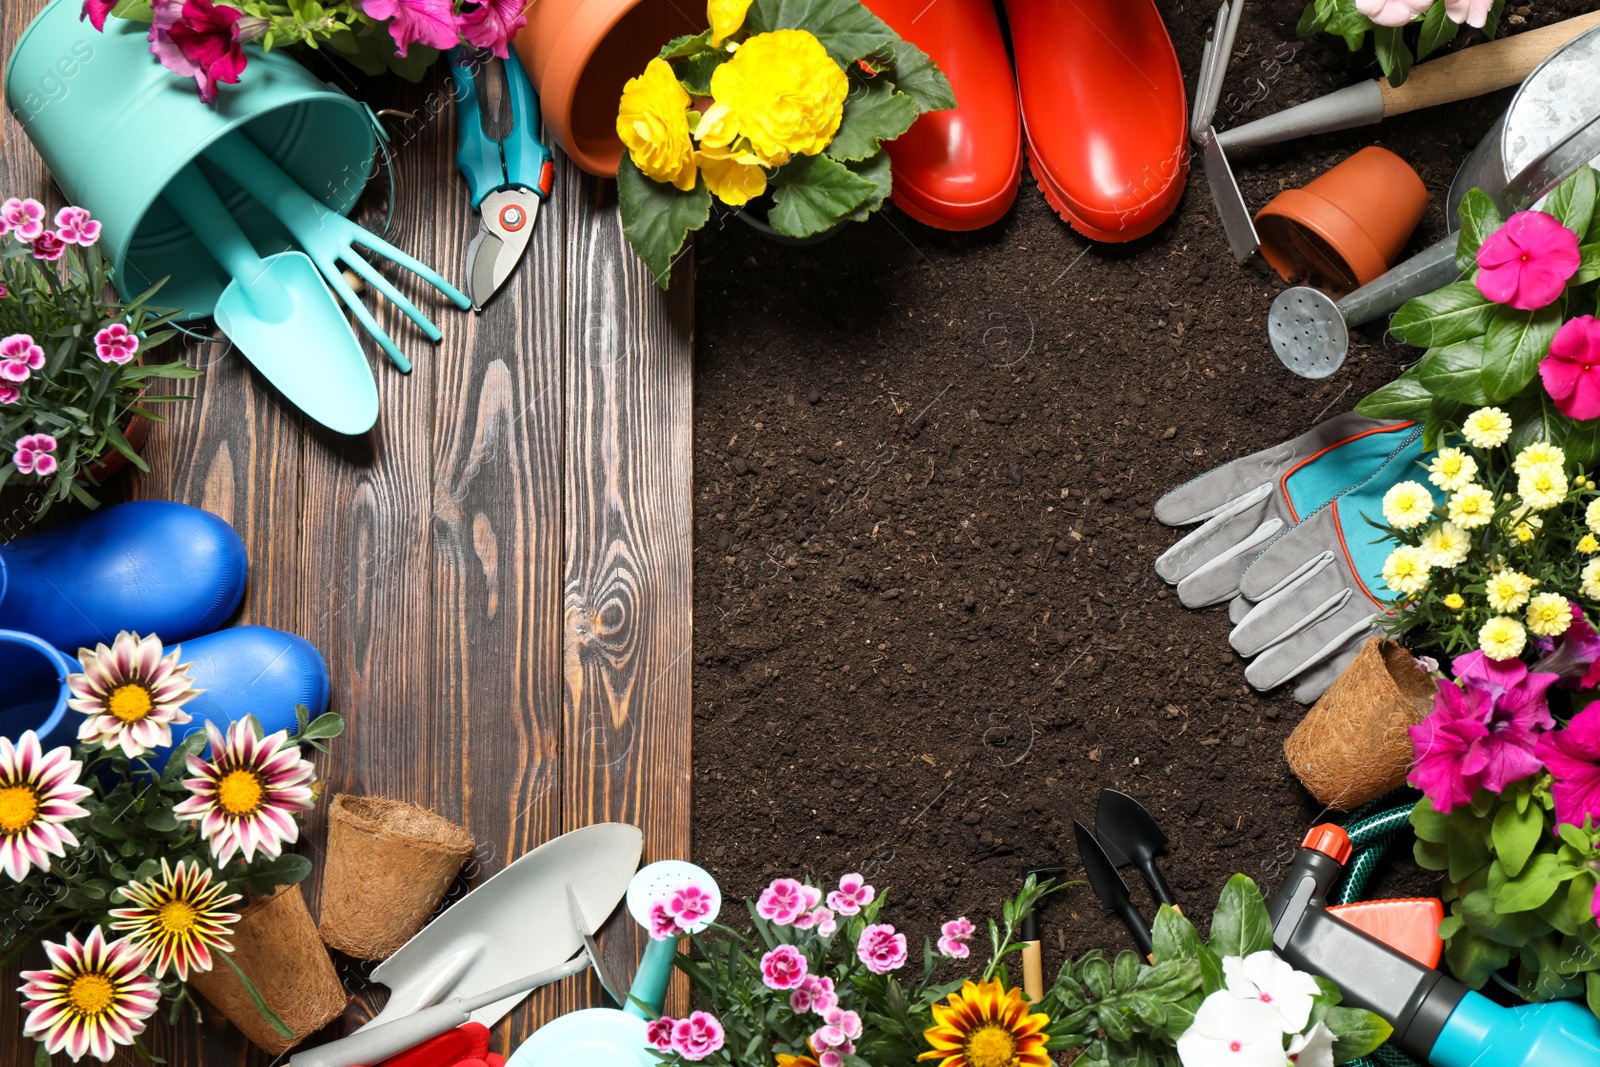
1318 590
1246 503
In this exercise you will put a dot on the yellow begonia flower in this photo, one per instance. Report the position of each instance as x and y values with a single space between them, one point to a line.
1406 570
733 176
1542 485
1589 580
1487 428
1454 602
653 122
783 93
1588 545
1508 590
1537 453
1451 469
1407 505
1447 545
1549 614
726 17
1472 506
1502 637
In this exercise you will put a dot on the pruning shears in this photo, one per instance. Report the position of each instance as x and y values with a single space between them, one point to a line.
508 177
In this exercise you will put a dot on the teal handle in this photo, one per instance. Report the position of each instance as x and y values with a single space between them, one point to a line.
487 164
477 155
197 204
241 160
1480 1033
528 162
649 989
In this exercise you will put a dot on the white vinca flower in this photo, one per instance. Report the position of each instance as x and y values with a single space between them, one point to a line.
1266 979
1229 1032
1314 1048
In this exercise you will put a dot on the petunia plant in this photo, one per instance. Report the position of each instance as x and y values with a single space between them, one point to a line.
140 844
1389 21
788 102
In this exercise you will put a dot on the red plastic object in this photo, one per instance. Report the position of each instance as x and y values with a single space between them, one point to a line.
465 1046
1103 111
1406 924
958 169
1330 840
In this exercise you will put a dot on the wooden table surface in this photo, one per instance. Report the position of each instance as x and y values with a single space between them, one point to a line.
499 573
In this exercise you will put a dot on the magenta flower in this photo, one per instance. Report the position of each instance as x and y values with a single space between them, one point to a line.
782 902
783 968
659 1033
9 394
1526 263
819 918
24 219
687 905
96 11
19 357
881 949
662 924
32 455
116 344
1574 657
835 1039
4 292
493 23
433 22
953 938
814 993
696 1037
48 246
1594 905
1571 372
202 40
75 227
1573 757
852 895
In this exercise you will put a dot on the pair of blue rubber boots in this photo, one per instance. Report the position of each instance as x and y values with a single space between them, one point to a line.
151 567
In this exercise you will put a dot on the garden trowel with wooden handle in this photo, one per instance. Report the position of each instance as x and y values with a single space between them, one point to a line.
1132 838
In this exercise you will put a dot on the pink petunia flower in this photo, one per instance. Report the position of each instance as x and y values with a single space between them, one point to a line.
75 227
433 22
116 344
1472 12
202 40
783 968
953 938
881 949
493 23
662 924
33 455
1571 372
659 1033
1440 743
1573 757
852 895
1392 12
23 219
1525 264
782 902
814 993
48 246
1574 657
96 11
9 394
697 1037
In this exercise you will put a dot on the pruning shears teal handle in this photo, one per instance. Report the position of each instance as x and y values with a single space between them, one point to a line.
519 160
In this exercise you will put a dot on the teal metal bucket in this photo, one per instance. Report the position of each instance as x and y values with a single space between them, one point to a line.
114 126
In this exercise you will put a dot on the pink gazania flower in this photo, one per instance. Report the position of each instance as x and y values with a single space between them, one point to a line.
131 694
814 993
96 11
1571 372
783 968
1472 12
116 343
687 905
852 895
782 902
48 246
493 23
19 357
39 794
1392 12
22 218
658 1033
433 22
202 40
697 1036
1573 757
9 394
178 917
662 924
881 949
953 938
33 455
93 997
75 227
1525 264
246 794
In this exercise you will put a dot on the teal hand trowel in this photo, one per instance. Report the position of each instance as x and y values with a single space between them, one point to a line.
281 315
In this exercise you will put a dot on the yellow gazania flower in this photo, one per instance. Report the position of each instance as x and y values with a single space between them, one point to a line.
1472 506
1451 469
1589 580
1542 485
1487 428
1407 505
1454 601
986 1026
1406 570
1502 637
783 93
1588 545
726 16
653 122
786 1060
178 917
1447 545
1549 614
1537 453
1508 590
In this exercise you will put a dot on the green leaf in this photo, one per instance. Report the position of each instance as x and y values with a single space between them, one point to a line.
1394 55
1125 970
1573 201
1356 1032
690 44
848 31
1479 218
267 1013
1591 988
1455 372
1443 317
1437 31
1241 924
657 217
133 10
1515 835
41 1058
287 869
916 75
1536 418
1532 886
1514 343
1097 975
694 73
1404 398
1588 264
873 113
813 193
161 819
877 170
1474 959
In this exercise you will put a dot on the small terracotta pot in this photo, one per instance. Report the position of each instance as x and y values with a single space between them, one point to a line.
580 52
1346 227
112 461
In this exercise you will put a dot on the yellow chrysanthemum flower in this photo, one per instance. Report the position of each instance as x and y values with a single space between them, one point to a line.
1406 570
1407 505
987 1026
1588 545
1549 614
1589 580
726 16
1508 590
1454 601
1537 453
1447 545
1591 515
1451 469
1502 637
1542 485
653 122
1471 507
1487 428
783 93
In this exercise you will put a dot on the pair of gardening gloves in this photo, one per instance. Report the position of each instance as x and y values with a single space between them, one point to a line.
1283 538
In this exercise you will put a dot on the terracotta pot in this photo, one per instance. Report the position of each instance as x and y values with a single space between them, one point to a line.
1346 227
580 52
112 461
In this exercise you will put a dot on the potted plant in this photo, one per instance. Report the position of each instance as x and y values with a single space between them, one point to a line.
72 369
1438 22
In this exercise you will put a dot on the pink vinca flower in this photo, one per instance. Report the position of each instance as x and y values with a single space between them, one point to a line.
48 246
1472 12
662 924
1392 12
953 938
96 11
814 993
852 895
493 23
1573 757
116 343
23 219
74 226
697 1037
1525 264
688 905
881 949
9 394
781 902
32 455
432 22
783 968
659 1033
1571 372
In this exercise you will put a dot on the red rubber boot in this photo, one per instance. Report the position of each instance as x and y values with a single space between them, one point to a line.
958 169
1104 111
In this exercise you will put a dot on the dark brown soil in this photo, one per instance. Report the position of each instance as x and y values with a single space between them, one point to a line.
928 631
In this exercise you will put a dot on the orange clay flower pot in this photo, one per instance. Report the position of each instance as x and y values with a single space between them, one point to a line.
1346 227
580 52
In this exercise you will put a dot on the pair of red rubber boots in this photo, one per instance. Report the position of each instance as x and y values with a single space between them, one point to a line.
1097 93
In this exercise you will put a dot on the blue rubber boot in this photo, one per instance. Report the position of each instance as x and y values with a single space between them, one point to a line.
150 566
33 690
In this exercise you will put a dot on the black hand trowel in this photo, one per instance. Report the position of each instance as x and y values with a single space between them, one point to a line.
1131 839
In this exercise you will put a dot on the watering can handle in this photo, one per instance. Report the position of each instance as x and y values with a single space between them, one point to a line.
649 989
198 205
